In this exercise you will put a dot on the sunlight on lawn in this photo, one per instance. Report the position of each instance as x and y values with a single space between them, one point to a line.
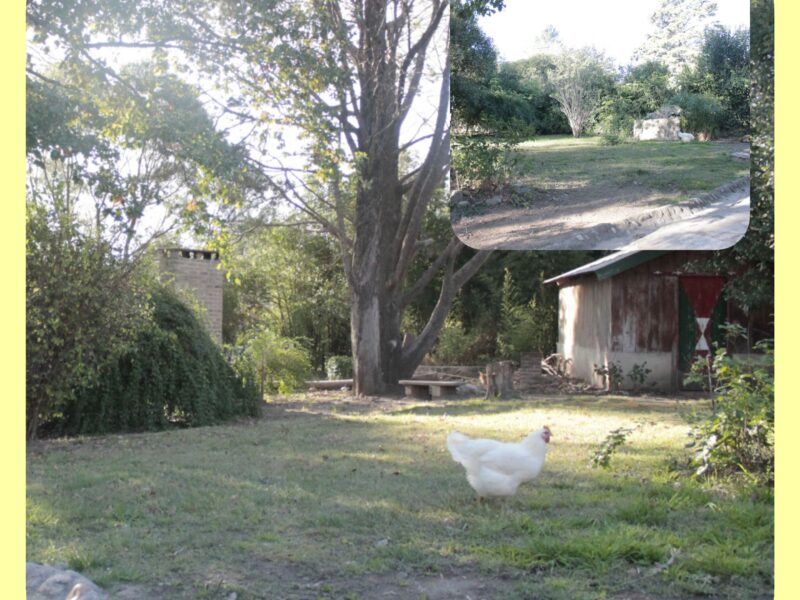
366 494
560 141
553 162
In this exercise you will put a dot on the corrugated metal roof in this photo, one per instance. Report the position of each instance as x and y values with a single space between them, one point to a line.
610 265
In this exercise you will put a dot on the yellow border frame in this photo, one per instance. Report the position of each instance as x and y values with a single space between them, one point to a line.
12 300
12 229
787 331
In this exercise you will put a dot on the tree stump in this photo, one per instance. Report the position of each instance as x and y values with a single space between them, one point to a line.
499 379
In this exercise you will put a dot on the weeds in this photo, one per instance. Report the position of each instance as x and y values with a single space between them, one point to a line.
611 374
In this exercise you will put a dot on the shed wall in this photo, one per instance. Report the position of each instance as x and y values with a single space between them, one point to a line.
630 318
584 331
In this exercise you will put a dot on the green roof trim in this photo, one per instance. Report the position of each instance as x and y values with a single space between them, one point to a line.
609 266
627 262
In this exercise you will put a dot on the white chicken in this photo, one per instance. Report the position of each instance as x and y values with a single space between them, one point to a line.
496 469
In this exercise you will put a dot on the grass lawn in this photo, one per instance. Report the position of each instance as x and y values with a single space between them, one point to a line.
325 501
556 162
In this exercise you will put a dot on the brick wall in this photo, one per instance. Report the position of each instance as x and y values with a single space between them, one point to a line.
530 369
196 271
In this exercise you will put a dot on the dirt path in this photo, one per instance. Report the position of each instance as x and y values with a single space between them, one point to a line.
556 218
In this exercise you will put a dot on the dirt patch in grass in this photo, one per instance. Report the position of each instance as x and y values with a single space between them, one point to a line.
553 217
285 582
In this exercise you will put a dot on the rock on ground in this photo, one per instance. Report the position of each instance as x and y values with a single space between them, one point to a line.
43 582
470 390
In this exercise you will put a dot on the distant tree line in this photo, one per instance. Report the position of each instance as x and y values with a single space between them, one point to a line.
561 90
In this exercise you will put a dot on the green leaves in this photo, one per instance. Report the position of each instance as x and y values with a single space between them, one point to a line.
280 364
171 372
293 285
81 306
612 442
740 436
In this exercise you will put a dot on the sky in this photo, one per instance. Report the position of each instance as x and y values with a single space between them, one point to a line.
616 26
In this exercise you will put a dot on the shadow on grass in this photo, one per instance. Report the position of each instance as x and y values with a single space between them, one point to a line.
259 508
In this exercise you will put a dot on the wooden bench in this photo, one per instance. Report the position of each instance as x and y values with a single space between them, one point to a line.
418 388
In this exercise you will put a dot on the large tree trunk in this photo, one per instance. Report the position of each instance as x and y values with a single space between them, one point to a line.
365 326
390 209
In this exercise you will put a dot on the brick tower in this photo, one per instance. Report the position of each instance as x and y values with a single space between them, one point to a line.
198 272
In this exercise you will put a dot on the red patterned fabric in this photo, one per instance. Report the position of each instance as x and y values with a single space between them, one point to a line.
702 291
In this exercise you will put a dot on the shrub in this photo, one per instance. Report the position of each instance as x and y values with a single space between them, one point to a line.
281 365
479 162
612 375
615 119
82 305
612 139
701 113
740 436
172 373
613 441
453 343
638 376
339 367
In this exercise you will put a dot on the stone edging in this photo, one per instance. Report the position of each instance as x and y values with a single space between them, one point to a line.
658 216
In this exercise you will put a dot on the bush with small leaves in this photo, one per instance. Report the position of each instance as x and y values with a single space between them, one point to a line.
453 343
615 439
740 435
701 113
480 162
173 373
612 375
638 376
339 367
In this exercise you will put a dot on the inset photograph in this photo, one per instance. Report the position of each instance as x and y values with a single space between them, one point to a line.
625 128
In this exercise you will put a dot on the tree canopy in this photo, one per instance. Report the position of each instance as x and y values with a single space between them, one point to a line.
338 110
677 32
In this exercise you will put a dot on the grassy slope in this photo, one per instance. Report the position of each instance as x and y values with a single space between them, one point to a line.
555 161
265 507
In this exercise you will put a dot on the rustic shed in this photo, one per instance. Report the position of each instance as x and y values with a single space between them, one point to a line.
637 307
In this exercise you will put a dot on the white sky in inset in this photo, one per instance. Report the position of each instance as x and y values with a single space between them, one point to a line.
617 27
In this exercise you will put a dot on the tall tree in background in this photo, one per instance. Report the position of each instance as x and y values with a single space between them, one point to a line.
677 33
578 79
723 71
340 78
474 66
